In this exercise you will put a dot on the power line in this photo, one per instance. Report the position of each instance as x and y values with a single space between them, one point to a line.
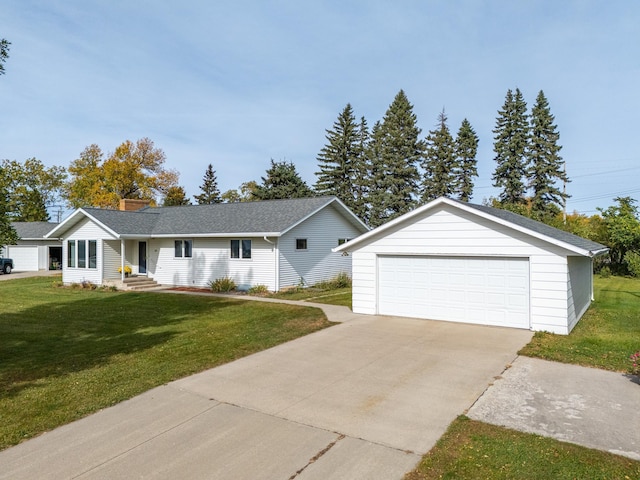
605 173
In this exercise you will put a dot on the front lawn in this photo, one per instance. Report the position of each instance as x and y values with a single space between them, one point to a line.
471 450
66 353
332 296
605 336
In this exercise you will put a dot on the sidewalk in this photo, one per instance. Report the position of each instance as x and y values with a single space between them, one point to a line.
594 408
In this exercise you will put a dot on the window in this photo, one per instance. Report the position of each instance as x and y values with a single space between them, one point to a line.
343 240
71 253
183 248
93 254
241 249
82 254
301 243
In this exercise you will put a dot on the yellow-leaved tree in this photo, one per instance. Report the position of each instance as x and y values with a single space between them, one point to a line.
133 170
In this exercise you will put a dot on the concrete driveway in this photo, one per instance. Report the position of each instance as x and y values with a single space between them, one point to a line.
363 399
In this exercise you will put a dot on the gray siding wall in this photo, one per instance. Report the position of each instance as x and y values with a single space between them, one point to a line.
318 262
579 280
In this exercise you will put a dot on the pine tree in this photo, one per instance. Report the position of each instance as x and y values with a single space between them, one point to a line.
337 159
439 162
210 192
510 143
376 186
466 149
361 172
546 167
395 174
282 181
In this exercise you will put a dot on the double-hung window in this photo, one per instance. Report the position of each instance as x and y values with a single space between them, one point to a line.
241 249
183 248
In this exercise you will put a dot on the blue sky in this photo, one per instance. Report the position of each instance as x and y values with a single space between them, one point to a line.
238 83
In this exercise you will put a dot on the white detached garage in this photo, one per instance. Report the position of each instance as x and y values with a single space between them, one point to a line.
455 261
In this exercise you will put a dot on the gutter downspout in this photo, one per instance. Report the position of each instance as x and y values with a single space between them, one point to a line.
122 260
276 262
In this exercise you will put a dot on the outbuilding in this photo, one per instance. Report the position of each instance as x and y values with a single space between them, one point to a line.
33 251
456 261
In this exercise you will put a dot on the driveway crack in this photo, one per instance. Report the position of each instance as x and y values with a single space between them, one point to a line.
317 456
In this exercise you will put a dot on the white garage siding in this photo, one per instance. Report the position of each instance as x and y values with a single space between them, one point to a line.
25 257
579 282
448 231
482 290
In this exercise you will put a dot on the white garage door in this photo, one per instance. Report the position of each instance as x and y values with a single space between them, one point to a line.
488 291
25 258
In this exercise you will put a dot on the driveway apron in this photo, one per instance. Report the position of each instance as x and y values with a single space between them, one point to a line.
362 399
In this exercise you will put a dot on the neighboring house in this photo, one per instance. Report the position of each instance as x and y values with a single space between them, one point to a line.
33 251
276 243
455 261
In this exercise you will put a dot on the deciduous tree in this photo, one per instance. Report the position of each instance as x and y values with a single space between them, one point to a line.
133 170
8 235
622 229
209 188
175 197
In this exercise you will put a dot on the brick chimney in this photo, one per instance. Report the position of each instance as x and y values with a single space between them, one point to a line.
132 204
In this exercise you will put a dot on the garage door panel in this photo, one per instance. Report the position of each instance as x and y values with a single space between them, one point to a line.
25 258
465 289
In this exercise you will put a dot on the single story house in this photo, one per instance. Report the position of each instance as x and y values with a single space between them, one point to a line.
33 251
455 261
276 243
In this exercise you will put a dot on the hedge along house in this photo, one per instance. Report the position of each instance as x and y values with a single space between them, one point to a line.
33 251
455 261
276 243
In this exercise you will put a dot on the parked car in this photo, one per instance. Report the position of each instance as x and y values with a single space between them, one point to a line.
6 265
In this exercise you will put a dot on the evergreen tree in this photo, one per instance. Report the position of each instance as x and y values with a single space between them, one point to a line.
210 192
439 162
337 159
175 197
395 175
376 186
466 149
510 143
361 172
4 53
282 181
545 163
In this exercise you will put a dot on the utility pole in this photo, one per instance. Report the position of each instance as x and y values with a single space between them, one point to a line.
564 193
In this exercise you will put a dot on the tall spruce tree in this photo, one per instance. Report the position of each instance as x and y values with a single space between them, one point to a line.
439 163
361 173
546 167
466 149
282 181
210 192
337 159
395 174
510 144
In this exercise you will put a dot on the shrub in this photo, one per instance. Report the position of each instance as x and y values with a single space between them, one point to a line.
258 290
605 272
632 261
222 285
88 285
342 280
635 361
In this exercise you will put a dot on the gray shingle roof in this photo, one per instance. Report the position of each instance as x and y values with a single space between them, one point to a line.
33 230
538 227
271 216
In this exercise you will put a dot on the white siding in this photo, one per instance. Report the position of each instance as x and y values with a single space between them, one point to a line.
448 231
111 259
84 230
579 288
318 262
39 257
211 260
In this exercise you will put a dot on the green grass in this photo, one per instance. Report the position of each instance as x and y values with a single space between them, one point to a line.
605 336
474 450
332 296
66 353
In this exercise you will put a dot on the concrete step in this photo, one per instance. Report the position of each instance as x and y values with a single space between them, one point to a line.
140 283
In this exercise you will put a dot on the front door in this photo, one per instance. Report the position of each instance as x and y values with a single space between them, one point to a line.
142 257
